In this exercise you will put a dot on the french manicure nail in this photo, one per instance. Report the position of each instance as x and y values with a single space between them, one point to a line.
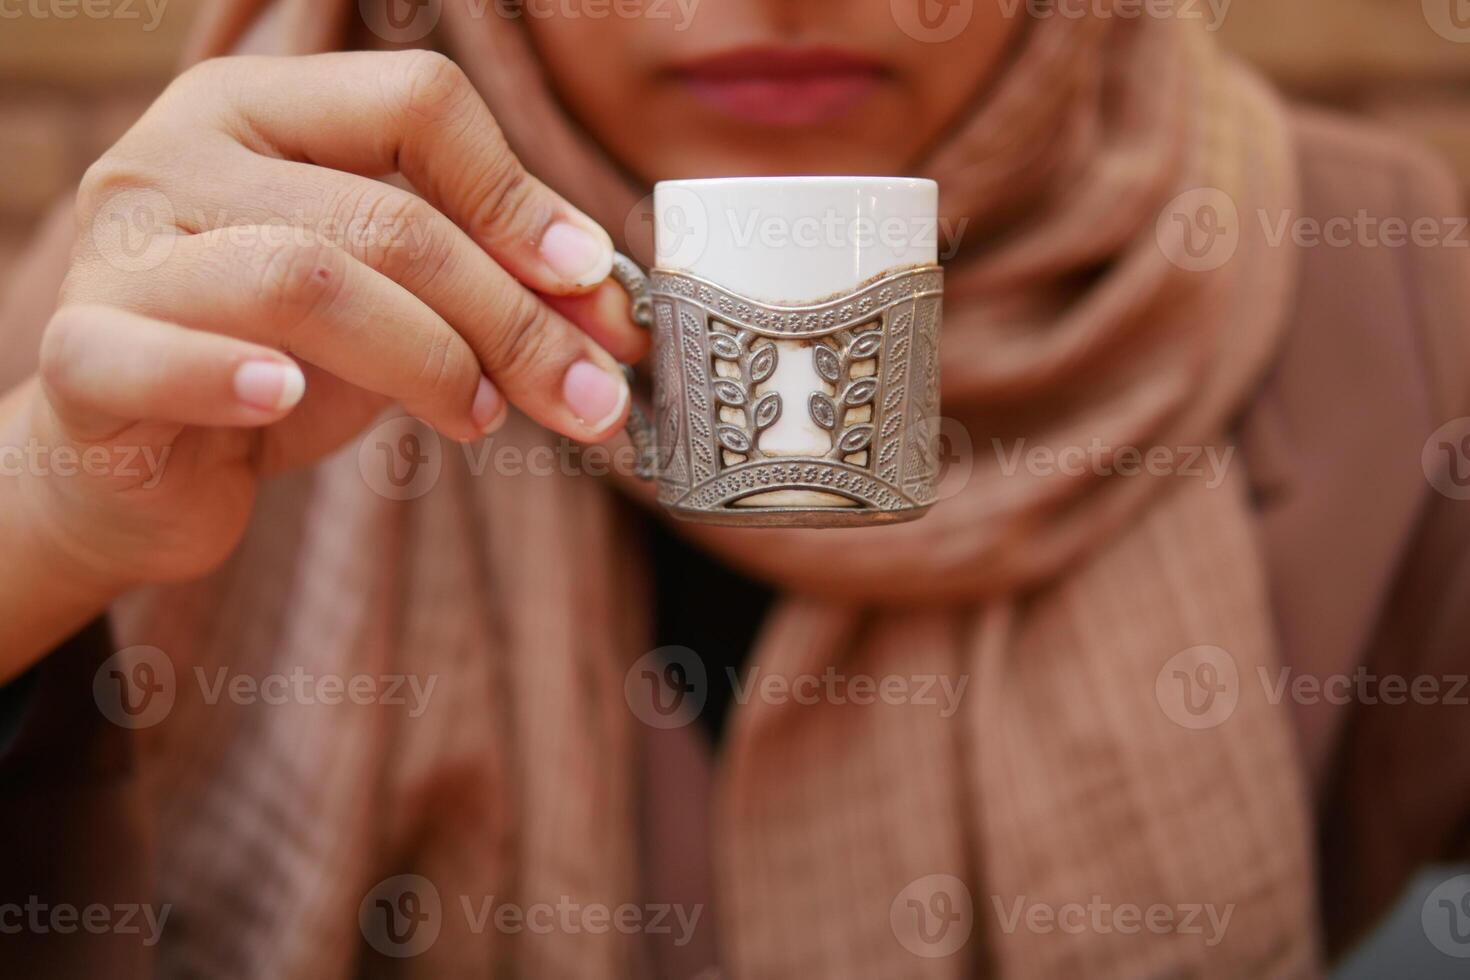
489 408
270 386
596 397
579 256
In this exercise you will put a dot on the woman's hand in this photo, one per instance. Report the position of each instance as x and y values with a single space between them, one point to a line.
270 243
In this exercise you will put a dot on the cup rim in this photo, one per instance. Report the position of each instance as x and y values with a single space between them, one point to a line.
910 183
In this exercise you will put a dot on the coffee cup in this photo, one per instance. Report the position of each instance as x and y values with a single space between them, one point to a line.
796 325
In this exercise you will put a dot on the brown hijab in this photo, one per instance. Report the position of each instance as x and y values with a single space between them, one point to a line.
847 836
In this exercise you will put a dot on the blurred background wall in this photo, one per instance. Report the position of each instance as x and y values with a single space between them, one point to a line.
1405 62
69 85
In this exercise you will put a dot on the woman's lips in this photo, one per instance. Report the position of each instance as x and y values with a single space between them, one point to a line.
782 86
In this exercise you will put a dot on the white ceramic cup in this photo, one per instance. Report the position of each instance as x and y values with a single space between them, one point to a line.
815 300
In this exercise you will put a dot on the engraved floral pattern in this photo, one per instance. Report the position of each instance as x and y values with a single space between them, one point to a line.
751 365
875 352
827 316
834 365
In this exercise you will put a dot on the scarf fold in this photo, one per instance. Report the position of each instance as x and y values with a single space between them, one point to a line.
1067 783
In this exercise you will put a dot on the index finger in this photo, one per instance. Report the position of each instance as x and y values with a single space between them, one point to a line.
415 113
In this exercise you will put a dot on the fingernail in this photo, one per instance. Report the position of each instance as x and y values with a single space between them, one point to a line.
594 396
488 412
269 385
577 255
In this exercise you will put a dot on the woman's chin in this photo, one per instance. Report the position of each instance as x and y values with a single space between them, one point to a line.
691 140
773 152
743 163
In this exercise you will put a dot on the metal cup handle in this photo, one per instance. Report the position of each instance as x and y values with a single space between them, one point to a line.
628 274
